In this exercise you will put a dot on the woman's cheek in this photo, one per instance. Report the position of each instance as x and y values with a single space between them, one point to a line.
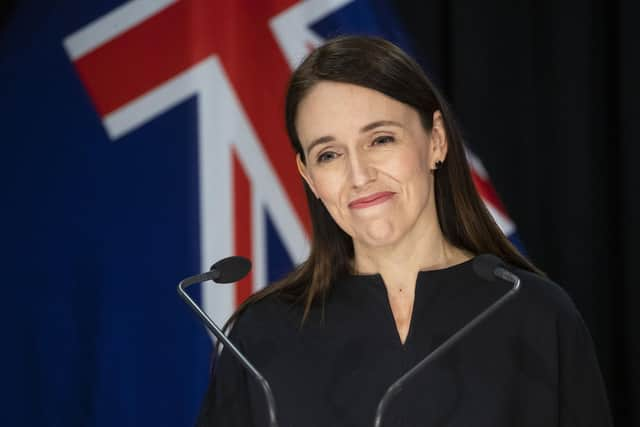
411 168
328 186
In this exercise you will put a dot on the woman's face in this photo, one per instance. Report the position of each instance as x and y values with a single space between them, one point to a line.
369 160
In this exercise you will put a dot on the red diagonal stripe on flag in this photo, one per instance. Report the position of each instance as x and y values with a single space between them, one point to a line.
243 229
487 192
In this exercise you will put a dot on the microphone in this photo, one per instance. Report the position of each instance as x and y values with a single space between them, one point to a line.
488 267
228 270
231 269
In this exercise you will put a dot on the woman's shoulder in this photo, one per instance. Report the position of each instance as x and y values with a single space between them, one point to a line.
546 297
273 314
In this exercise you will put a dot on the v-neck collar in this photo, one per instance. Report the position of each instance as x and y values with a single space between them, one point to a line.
428 285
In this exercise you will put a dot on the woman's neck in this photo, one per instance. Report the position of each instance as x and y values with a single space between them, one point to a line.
400 262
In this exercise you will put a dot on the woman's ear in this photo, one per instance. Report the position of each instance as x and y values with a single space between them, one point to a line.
439 142
302 169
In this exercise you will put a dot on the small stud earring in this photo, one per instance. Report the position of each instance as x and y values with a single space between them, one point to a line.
438 165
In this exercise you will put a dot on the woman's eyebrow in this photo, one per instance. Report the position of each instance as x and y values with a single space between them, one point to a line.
379 123
366 128
318 141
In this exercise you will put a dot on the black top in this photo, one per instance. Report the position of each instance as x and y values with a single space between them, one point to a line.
531 363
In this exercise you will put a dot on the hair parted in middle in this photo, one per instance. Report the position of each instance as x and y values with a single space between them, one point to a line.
377 64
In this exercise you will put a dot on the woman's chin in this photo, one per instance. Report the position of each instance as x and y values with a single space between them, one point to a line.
377 234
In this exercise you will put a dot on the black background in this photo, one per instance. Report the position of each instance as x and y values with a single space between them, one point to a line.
546 92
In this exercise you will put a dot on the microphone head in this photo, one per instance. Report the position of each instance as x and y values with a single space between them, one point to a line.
230 269
485 266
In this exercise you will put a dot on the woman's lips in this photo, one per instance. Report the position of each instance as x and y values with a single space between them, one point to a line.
371 200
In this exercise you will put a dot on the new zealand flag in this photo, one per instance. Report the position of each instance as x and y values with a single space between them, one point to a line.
145 140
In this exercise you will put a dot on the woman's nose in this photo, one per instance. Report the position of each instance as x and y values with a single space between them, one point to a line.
361 170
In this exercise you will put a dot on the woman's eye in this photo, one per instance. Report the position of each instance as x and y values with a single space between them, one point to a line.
327 156
383 140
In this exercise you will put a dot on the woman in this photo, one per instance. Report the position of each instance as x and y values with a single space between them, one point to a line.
396 225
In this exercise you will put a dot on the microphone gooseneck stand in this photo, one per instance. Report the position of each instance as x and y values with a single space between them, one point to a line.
218 274
233 269
486 266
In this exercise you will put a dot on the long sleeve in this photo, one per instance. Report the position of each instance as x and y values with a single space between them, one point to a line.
583 399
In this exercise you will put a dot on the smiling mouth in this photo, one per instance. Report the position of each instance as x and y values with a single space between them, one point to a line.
371 200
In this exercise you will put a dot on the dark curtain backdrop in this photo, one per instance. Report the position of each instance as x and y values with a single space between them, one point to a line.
546 92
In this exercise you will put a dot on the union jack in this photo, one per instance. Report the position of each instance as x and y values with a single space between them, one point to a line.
147 56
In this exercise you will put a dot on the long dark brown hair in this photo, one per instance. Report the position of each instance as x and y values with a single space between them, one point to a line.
377 64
